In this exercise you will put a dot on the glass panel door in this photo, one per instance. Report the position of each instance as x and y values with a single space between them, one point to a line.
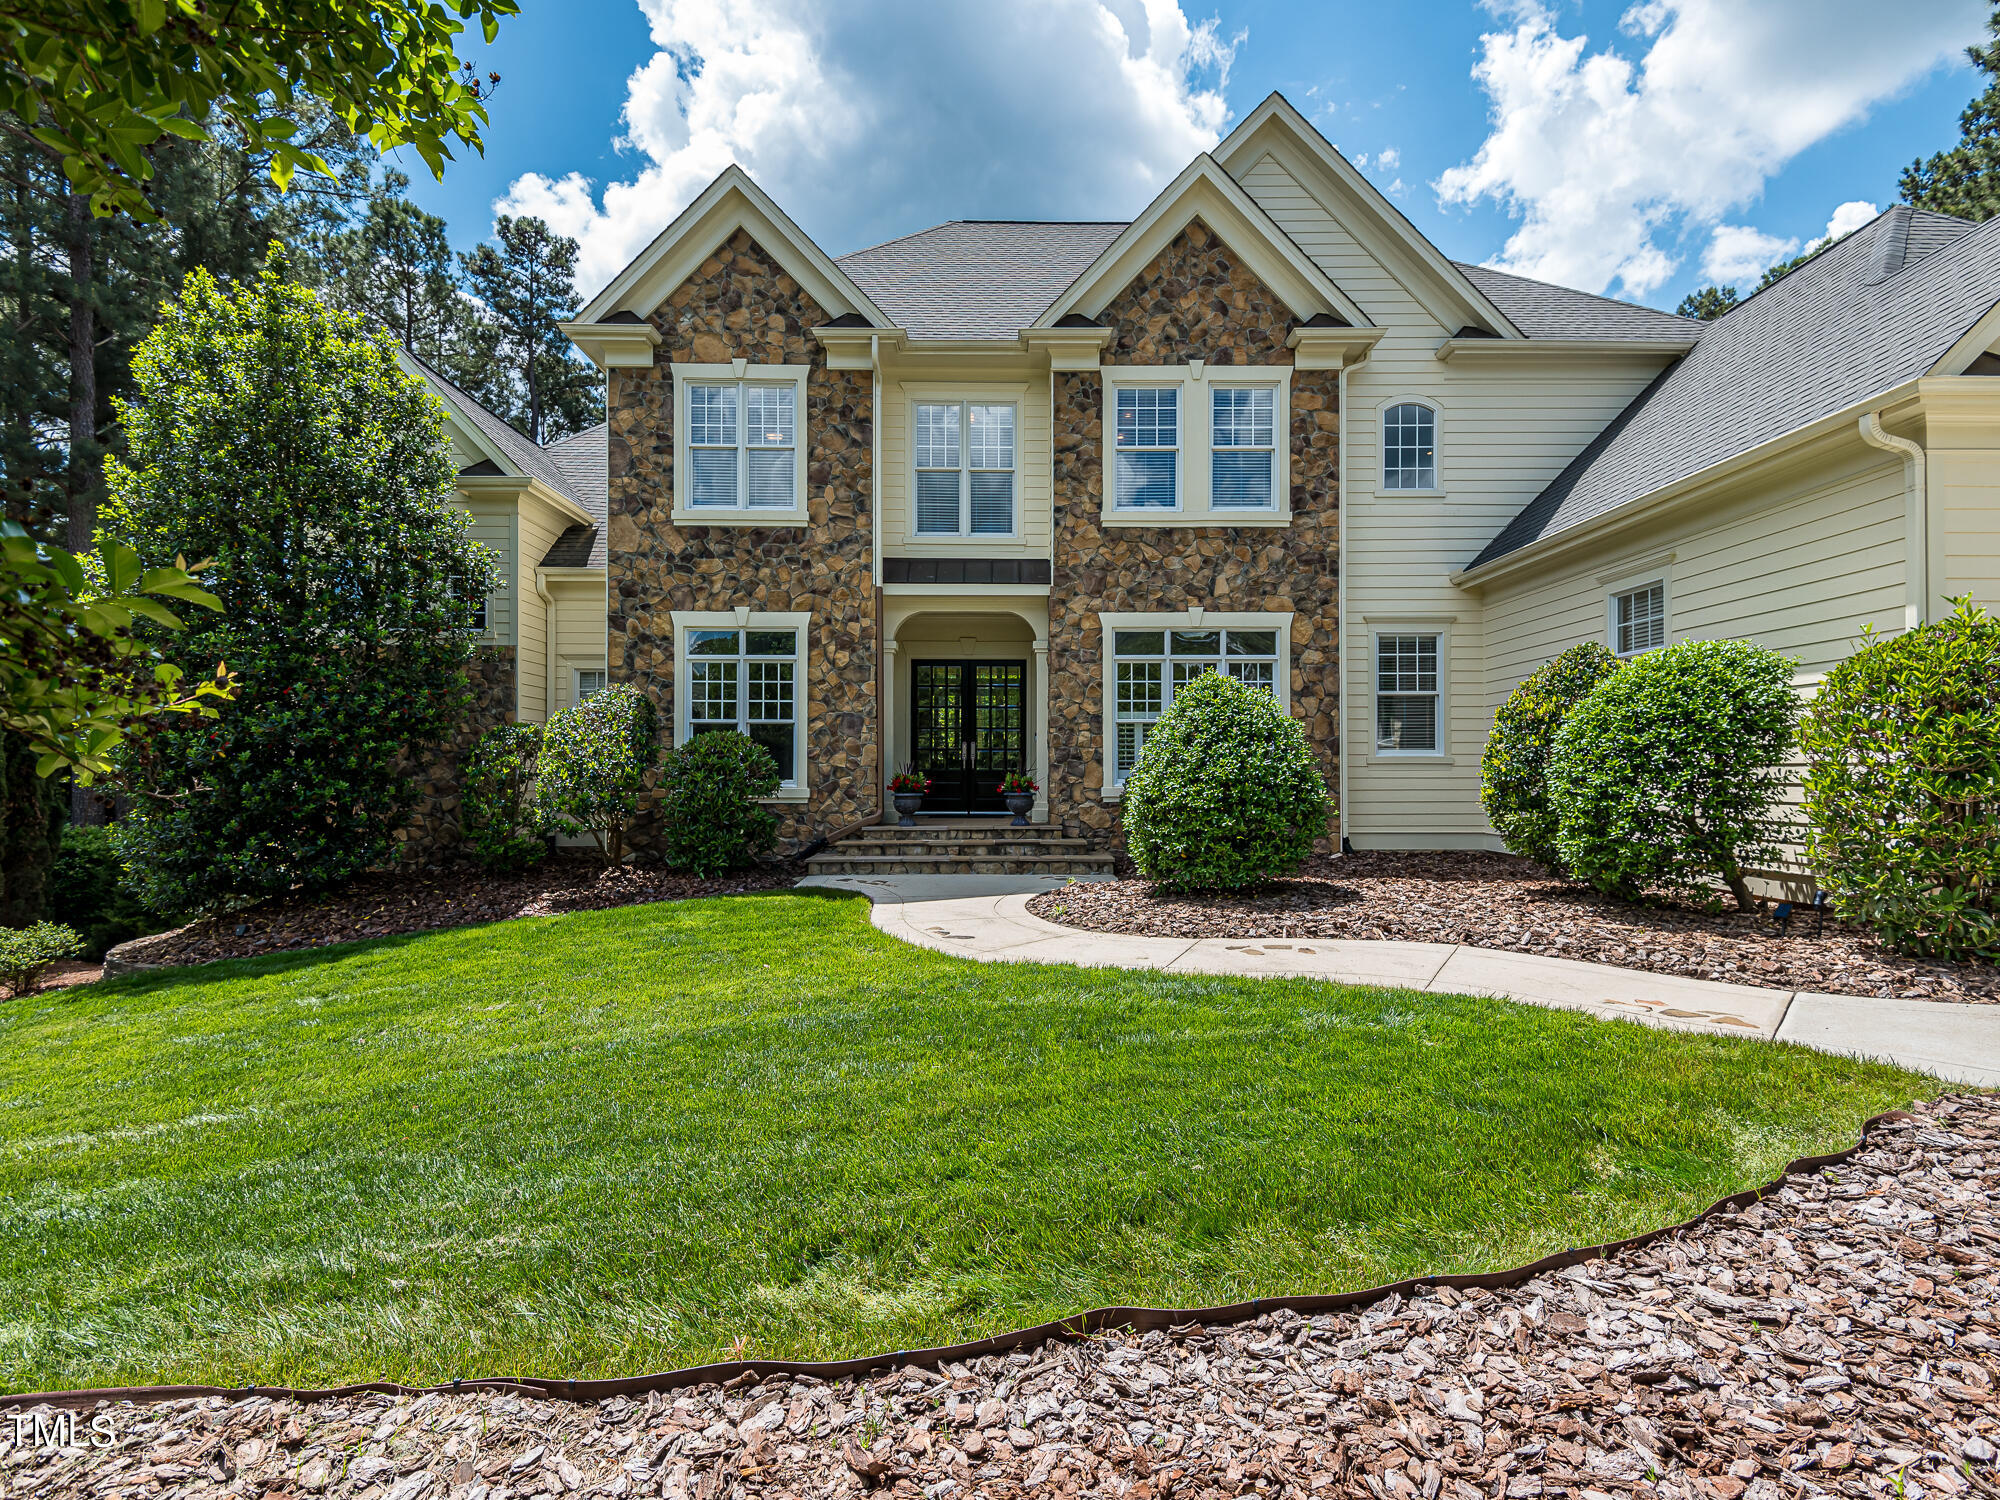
968 728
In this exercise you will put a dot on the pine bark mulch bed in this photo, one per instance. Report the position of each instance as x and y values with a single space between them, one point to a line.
1500 901
1836 1338
397 902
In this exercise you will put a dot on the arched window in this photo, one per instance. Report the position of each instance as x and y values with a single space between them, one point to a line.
1409 447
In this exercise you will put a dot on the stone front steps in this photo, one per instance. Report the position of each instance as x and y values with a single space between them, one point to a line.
959 848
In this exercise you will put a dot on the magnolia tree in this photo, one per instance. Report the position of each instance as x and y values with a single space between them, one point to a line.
594 763
284 442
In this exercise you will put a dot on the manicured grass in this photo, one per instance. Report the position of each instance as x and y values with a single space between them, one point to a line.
621 1140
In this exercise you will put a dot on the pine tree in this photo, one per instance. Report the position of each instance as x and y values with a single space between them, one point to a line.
1708 304
528 285
1966 179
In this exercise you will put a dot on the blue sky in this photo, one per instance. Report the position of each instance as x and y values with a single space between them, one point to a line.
1633 148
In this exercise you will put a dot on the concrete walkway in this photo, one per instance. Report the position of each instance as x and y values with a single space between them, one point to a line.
987 918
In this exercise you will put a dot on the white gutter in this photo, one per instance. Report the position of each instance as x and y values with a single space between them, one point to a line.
1916 517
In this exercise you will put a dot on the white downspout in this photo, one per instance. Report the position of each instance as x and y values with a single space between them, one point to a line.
1917 518
1342 708
548 644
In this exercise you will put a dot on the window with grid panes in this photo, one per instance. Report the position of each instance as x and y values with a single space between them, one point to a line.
1640 619
1406 693
748 681
1146 447
965 468
1409 447
589 682
1147 666
1243 443
742 445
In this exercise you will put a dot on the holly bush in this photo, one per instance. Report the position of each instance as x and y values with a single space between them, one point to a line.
708 803
282 440
596 756
1902 786
1664 777
1513 773
1227 792
496 798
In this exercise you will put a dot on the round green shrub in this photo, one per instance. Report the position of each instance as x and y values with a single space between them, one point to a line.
1902 786
1664 777
595 758
708 803
88 891
26 951
1227 792
496 798
1513 773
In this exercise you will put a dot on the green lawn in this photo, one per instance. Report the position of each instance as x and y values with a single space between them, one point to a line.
619 1141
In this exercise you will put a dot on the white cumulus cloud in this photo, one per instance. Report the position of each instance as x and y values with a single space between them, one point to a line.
1606 160
868 122
1849 217
1737 252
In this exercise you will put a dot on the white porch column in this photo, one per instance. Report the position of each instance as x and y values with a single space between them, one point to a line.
890 763
1038 711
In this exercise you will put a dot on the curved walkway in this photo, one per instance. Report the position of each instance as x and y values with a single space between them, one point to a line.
987 918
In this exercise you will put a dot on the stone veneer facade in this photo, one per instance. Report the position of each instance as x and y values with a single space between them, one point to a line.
739 303
1196 300
432 833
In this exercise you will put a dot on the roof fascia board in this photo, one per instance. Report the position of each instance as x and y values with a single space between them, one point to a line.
1492 349
574 575
729 203
526 486
1974 342
1691 490
624 345
1203 190
467 431
1445 292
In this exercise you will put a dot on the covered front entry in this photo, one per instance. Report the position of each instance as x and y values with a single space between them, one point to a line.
966 694
968 728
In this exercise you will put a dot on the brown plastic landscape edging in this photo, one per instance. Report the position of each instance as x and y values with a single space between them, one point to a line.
1080 1326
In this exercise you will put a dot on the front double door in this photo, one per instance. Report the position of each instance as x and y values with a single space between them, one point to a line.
969 727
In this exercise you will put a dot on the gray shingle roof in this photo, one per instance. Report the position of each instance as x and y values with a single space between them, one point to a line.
523 454
1869 312
976 278
584 460
1543 310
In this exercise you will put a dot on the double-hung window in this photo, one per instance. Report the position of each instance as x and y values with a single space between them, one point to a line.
1146 447
1243 444
1639 619
1406 694
1149 666
589 683
965 468
747 681
1409 447
742 448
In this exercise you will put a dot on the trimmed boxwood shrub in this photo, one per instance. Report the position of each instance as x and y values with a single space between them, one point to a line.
1663 778
496 792
1513 773
708 803
1902 786
595 759
1227 793
87 891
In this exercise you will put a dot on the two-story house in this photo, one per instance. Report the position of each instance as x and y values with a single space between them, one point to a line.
982 498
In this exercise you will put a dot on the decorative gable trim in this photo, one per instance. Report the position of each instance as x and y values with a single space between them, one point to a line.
1204 191
1276 129
729 203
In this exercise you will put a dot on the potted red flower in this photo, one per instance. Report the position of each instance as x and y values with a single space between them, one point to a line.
907 789
1018 790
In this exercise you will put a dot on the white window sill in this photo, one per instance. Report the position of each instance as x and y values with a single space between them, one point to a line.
788 794
1112 794
1387 494
1196 518
721 517
1406 757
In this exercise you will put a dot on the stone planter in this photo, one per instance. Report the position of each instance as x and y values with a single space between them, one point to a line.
907 804
1020 804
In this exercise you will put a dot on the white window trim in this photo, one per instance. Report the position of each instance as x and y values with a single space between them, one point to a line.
799 789
576 680
1411 625
1193 473
1437 411
1113 790
1658 572
916 395
686 373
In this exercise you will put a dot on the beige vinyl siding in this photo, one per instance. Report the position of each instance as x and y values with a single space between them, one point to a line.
943 379
1504 431
493 527
580 606
540 525
1964 484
